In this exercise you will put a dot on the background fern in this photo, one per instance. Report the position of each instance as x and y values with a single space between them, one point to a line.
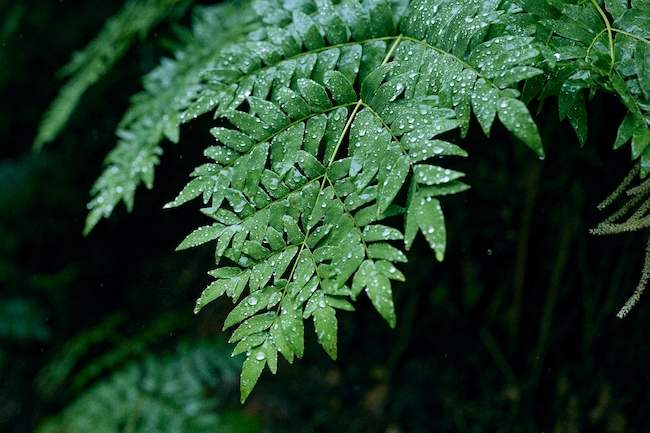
327 117
89 65
156 112
64 372
179 393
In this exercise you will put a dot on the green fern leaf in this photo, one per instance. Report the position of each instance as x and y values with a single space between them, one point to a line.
594 53
315 145
156 113
327 118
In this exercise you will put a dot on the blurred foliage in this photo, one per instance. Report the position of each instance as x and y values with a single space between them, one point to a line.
98 57
181 393
155 112
516 331
22 320
55 374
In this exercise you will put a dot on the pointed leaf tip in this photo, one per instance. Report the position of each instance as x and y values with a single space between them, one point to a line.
251 371
517 119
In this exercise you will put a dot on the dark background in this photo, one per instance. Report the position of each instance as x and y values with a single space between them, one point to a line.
515 331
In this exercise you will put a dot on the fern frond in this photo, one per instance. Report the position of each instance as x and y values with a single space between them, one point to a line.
66 371
591 53
180 393
50 379
155 113
89 65
328 117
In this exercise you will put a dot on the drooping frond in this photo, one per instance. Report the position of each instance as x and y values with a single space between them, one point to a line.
89 65
155 113
591 53
594 53
329 118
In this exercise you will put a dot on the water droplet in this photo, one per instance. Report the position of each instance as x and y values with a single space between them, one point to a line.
260 356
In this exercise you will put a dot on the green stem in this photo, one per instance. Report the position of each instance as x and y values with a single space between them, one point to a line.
609 33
